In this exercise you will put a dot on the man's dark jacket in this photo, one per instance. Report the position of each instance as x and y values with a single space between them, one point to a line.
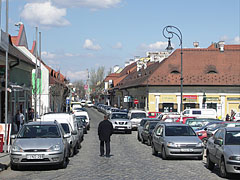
105 130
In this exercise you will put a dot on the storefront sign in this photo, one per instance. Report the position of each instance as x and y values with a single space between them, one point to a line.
168 98
233 99
212 99
190 98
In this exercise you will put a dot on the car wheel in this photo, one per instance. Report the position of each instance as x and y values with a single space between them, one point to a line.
164 156
71 151
210 165
222 167
79 145
75 150
14 167
154 152
63 164
148 142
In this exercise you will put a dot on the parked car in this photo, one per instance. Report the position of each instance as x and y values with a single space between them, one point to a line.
121 122
147 132
136 116
176 140
82 122
140 127
223 149
237 116
183 119
69 125
165 115
199 122
39 143
89 104
153 114
211 131
84 113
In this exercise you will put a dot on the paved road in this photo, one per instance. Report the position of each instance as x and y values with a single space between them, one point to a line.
130 160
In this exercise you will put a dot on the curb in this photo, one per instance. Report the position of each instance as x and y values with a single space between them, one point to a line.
4 162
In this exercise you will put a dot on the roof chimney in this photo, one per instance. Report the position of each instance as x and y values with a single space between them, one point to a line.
196 44
221 46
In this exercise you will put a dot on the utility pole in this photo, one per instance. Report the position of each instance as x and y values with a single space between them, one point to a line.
35 87
40 75
6 82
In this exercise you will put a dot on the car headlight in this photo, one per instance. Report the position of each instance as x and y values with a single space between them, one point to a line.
55 148
16 149
200 144
235 158
171 144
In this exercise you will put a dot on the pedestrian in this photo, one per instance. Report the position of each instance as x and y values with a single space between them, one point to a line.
19 119
232 115
227 117
105 130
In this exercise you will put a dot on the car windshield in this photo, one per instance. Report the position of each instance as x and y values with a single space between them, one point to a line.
138 115
39 131
81 118
119 116
196 124
179 131
65 127
232 138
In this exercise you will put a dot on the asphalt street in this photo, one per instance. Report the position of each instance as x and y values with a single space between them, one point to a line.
129 159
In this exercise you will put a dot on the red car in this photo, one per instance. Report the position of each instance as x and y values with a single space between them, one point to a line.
153 114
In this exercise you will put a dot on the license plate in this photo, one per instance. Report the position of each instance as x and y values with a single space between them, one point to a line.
186 150
121 128
35 156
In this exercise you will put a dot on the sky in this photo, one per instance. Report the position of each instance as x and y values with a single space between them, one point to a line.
84 34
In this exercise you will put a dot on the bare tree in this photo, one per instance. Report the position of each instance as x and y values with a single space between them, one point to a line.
79 85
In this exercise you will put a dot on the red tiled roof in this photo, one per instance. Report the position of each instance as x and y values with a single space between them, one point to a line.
201 66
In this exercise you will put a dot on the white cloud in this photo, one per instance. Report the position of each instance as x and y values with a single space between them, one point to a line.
88 44
92 4
44 13
48 55
117 46
236 40
78 75
159 45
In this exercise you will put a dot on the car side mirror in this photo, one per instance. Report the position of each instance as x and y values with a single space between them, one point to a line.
218 142
66 136
74 132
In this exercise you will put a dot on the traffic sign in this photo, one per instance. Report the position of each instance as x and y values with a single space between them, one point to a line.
135 101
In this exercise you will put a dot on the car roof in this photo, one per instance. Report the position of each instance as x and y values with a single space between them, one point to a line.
232 128
151 119
119 113
174 124
135 110
42 123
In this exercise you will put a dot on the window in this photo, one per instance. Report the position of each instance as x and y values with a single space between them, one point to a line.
212 72
175 72
196 112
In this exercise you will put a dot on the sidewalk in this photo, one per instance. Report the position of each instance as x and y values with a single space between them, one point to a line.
4 161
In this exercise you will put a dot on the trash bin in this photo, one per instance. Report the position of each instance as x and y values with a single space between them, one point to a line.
1 143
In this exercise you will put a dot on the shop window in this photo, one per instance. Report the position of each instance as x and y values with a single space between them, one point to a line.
167 107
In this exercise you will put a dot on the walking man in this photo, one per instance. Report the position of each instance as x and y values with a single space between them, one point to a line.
105 130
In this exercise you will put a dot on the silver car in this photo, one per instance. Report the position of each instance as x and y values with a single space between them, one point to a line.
176 140
223 149
39 143
121 122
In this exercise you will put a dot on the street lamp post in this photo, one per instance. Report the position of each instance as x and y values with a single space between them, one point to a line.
168 32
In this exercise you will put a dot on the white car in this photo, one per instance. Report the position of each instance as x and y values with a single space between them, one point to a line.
237 116
69 124
121 122
89 104
84 113
136 116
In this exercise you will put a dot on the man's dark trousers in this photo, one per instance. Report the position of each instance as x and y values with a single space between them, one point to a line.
107 144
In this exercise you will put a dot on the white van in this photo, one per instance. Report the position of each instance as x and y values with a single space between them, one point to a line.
202 113
69 124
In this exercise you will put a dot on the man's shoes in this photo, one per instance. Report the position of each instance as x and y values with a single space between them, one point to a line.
108 156
101 155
